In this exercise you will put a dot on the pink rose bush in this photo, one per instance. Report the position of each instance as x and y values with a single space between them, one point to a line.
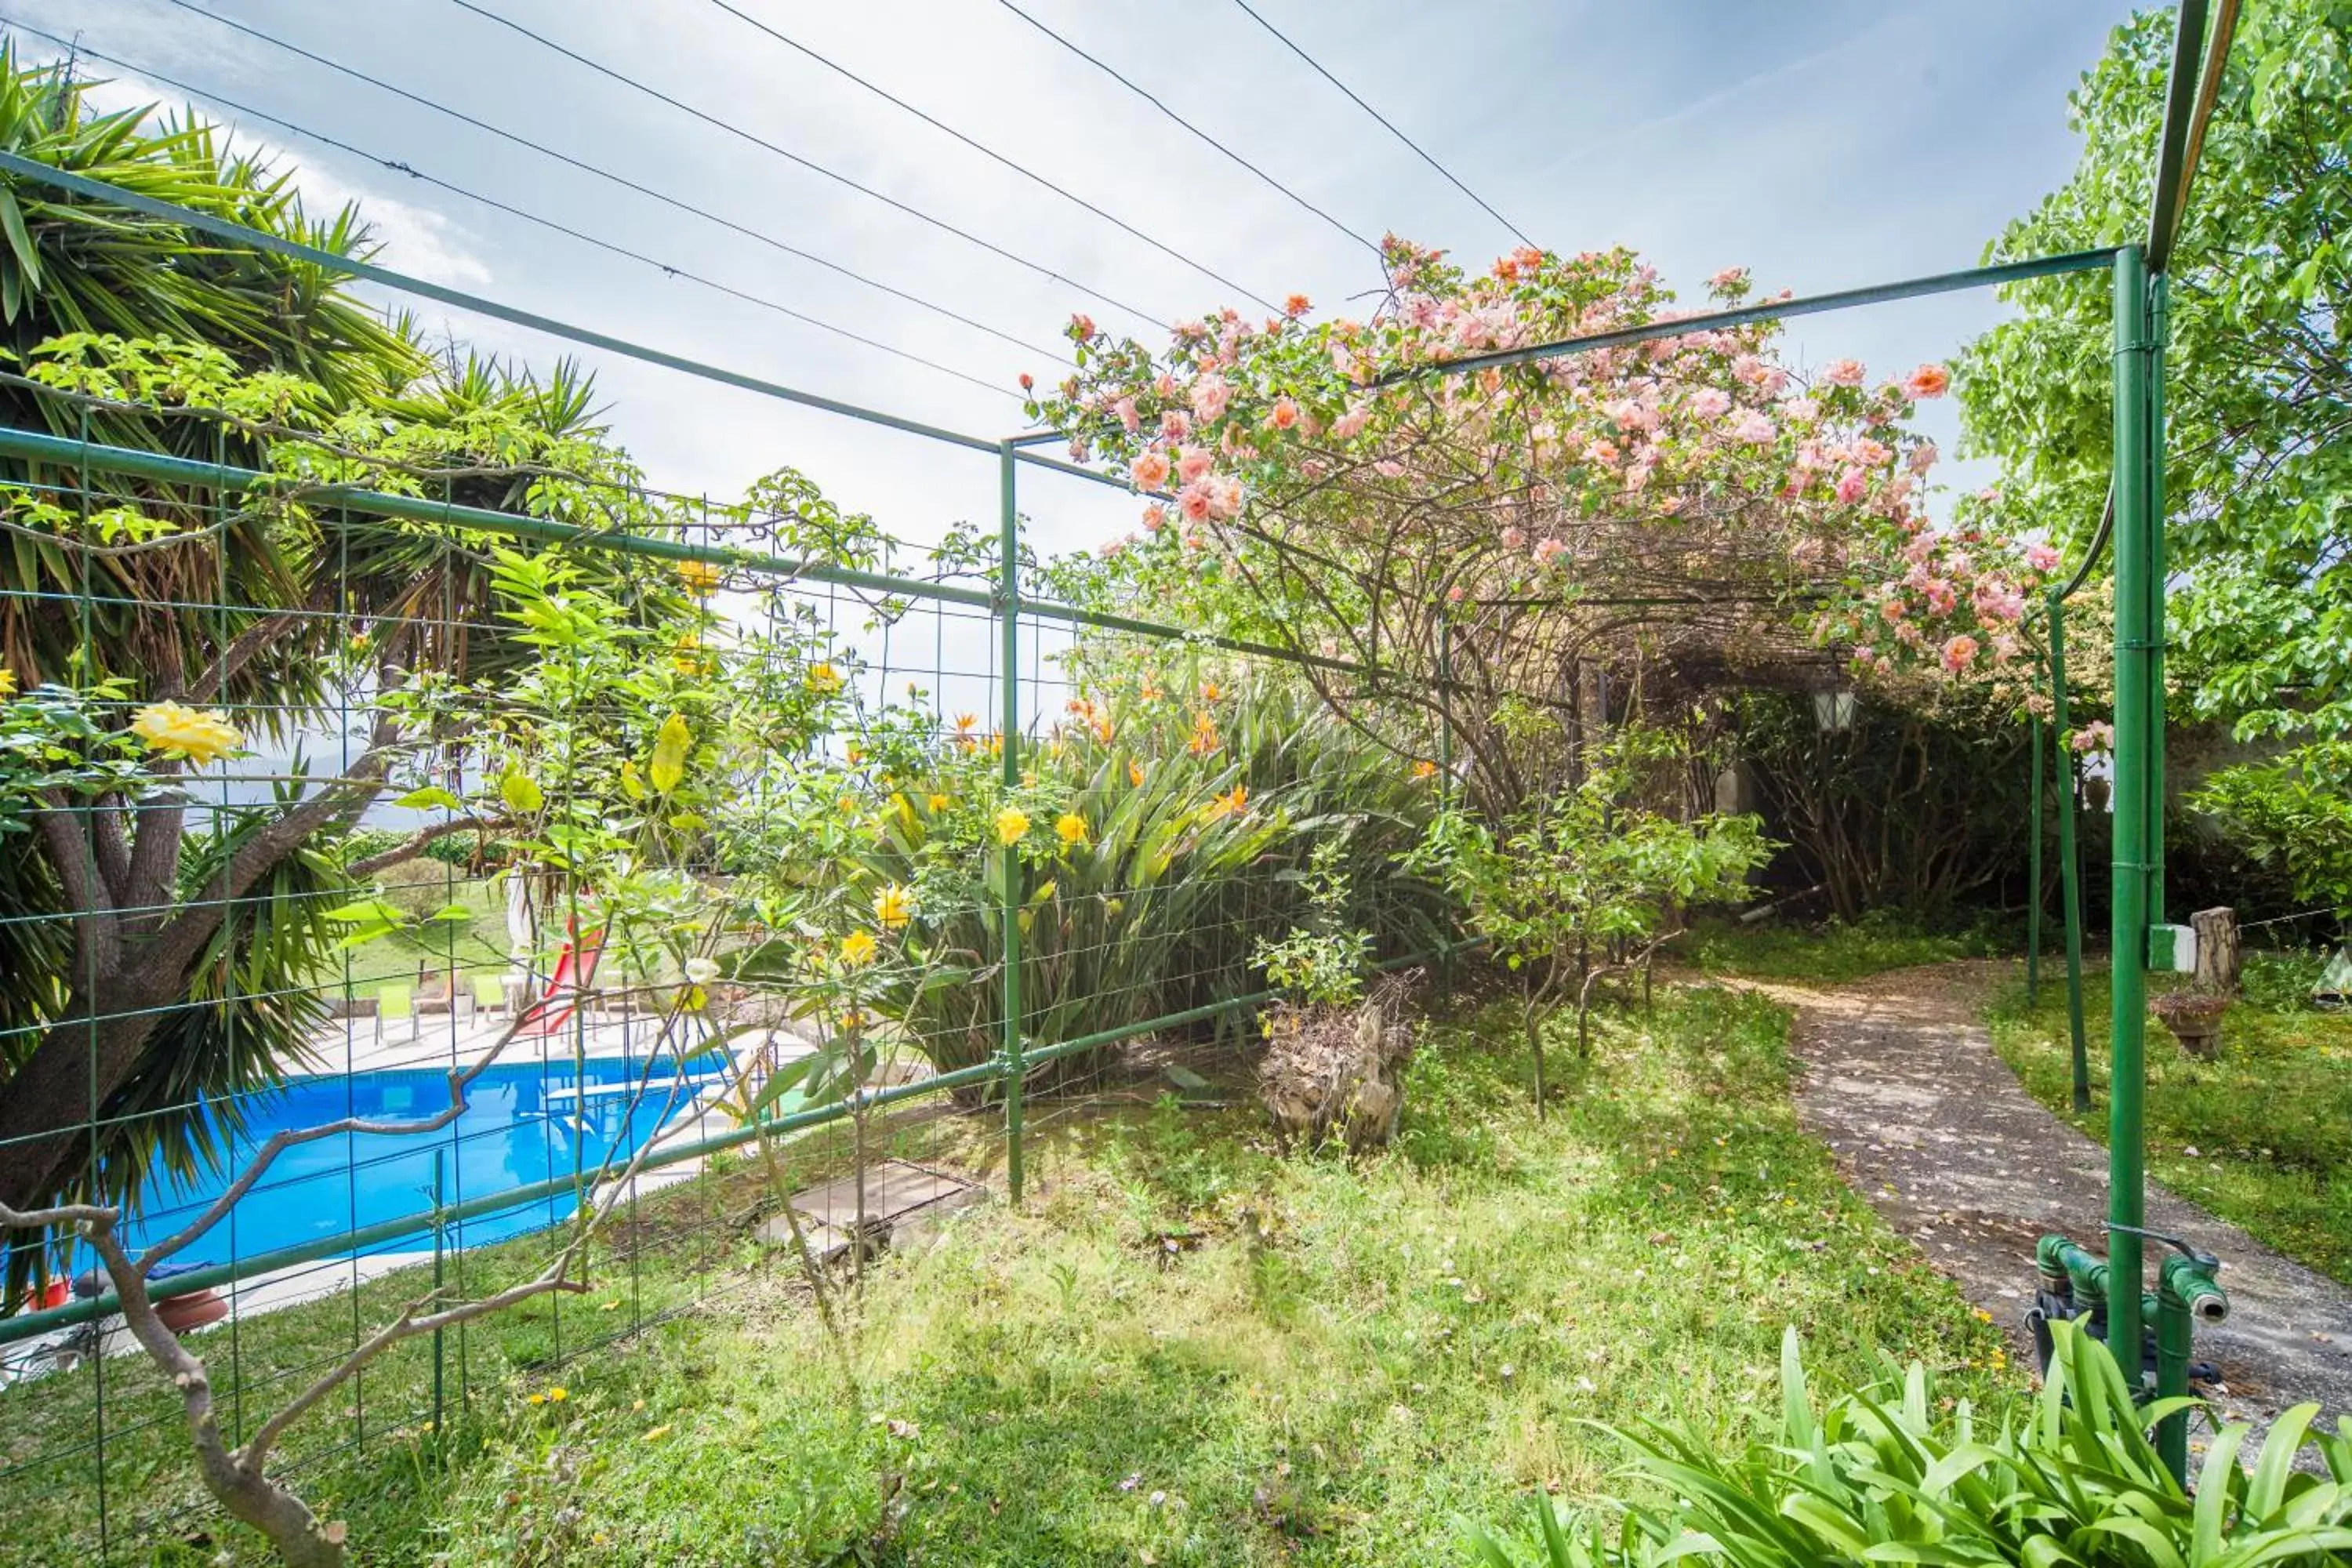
1561 475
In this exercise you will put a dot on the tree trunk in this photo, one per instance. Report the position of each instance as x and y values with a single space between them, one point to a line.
46 1105
2217 951
1531 1018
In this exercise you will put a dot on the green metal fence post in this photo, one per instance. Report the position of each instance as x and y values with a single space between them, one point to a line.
2135 644
2034 874
2070 863
2158 314
440 1361
1008 599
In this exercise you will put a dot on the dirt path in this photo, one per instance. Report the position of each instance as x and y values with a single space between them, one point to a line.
1929 1125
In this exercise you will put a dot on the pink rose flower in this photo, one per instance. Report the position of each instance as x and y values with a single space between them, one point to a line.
1155 517
1843 373
1960 652
1755 428
1210 395
1150 472
1708 402
1191 462
1127 416
1175 424
1283 415
1082 326
1852 485
1923 456
1549 551
2041 557
1873 454
1194 503
1351 424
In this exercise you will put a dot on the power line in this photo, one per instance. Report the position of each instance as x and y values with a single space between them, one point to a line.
813 168
1317 67
512 211
674 203
987 152
1187 124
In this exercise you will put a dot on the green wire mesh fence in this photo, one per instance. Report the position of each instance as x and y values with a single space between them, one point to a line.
599 867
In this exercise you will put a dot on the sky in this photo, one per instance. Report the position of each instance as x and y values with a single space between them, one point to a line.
1823 144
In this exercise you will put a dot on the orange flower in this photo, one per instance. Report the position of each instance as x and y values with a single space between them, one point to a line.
1204 736
1424 769
1231 804
1210 692
1134 773
1152 693
1102 728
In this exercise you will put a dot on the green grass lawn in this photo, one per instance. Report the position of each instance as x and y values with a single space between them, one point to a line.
1829 952
1343 1364
2263 1137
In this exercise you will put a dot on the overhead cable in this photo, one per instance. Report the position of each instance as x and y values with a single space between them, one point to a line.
991 154
1149 98
516 139
731 129
399 166
1386 124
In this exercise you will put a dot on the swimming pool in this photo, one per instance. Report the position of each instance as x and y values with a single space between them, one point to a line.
523 1122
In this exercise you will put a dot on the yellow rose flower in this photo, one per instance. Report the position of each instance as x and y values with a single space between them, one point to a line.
938 803
7 682
190 735
702 577
894 906
1072 828
1011 823
823 678
857 949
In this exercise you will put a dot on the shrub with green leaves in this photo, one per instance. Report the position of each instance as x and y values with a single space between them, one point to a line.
1880 1476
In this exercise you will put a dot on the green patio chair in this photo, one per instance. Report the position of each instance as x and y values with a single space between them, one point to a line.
395 1002
489 993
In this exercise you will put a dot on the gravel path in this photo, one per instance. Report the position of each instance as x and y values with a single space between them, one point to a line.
1931 1126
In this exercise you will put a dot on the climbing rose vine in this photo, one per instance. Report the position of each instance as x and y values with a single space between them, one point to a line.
1689 460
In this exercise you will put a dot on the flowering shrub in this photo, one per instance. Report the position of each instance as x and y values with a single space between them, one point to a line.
1322 482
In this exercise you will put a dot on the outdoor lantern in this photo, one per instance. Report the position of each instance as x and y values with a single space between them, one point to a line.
1833 707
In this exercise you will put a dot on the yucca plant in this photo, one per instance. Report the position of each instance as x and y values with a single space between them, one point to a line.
1877 1476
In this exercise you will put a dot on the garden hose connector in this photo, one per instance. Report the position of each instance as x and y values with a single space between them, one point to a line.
2188 1284
2067 1270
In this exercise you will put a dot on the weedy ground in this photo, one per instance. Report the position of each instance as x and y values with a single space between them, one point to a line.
1186 1349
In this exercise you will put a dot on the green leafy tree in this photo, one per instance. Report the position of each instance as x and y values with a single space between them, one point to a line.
2258 378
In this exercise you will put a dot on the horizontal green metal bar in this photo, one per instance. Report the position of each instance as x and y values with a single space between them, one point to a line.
31 1325
238 234
1771 310
40 446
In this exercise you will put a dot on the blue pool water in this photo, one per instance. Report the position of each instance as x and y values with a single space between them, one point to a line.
524 1123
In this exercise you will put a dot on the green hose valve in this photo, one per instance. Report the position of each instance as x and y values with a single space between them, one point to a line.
2067 1270
2188 1284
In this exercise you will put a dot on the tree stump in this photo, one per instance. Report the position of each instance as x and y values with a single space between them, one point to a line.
2217 951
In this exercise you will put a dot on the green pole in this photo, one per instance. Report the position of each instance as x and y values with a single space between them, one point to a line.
440 1429
2159 317
2070 863
2135 645
2034 874
1009 730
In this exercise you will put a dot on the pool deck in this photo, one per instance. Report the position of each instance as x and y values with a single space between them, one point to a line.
447 1042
